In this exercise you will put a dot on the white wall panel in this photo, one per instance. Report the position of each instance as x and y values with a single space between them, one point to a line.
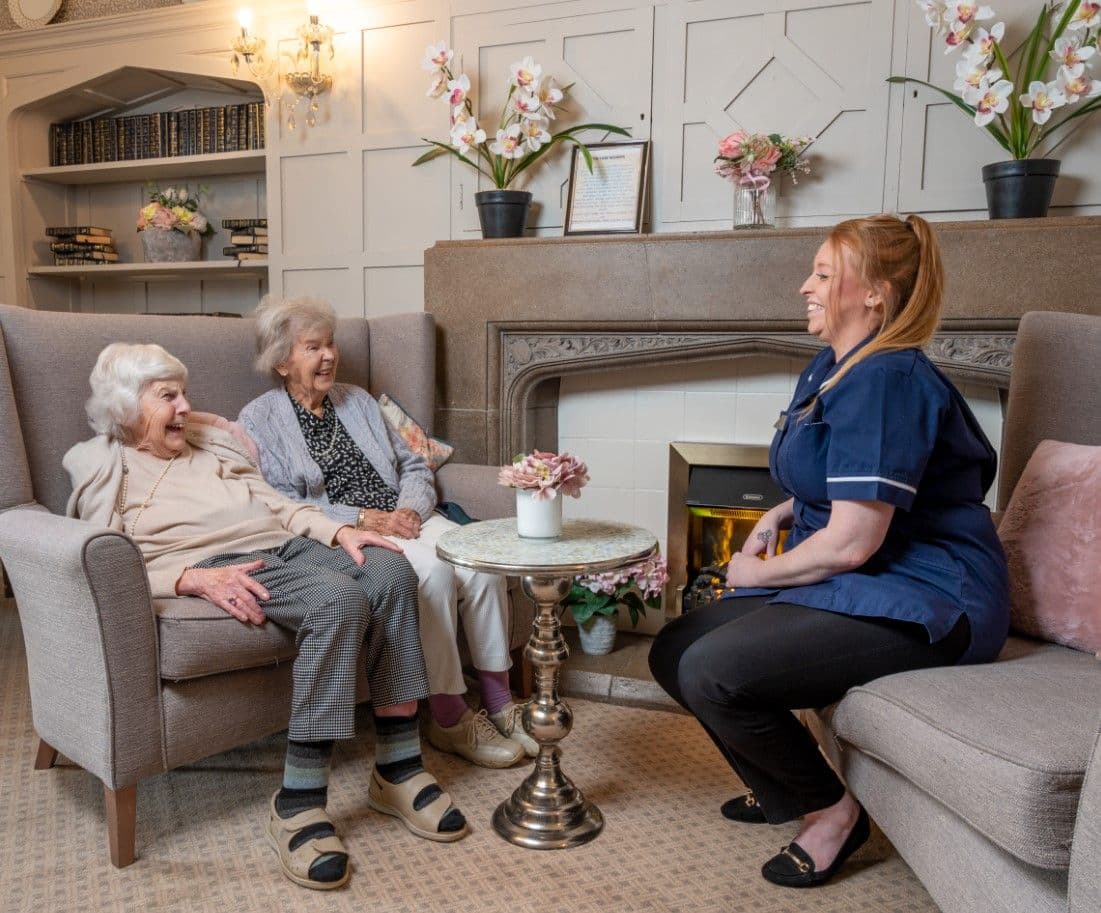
393 290
318 214
404 211
340 287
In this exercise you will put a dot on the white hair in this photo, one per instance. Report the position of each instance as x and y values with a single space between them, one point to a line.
122 372
280 321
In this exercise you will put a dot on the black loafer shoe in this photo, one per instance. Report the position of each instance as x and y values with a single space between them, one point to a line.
793 868
744 809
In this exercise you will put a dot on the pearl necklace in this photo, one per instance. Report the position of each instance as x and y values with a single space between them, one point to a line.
121 502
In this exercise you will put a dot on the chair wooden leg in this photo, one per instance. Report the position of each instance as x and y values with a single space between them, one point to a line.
45 757
522 674
122 811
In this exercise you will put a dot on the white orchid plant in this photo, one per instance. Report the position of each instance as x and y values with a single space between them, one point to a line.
523 134
1020 112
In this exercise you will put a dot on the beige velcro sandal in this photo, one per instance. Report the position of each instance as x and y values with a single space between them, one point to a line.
396 800
296 863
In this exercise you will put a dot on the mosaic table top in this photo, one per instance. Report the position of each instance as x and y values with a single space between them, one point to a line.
585 546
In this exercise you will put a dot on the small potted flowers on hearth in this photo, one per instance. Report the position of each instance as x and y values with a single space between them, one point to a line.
594 600
539 478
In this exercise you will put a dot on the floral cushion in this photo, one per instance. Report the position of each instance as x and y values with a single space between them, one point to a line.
435 452
1051 532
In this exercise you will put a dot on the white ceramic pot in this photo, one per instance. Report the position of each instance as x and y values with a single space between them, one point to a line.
538 519
597 635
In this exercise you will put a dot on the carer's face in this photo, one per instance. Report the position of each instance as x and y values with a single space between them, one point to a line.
834 296
162 415
310 369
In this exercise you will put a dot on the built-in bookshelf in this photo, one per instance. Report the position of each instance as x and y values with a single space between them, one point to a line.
110 193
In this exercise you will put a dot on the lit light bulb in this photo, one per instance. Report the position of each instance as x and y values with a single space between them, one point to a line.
313 8
244 18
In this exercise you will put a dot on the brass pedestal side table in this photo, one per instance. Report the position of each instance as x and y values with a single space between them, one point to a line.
546 812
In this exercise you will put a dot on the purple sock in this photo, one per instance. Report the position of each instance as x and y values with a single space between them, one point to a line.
447 709
495 690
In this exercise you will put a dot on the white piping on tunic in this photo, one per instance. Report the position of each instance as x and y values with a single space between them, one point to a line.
908 488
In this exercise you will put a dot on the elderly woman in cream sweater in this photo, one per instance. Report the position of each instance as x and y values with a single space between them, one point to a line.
185 490
328 444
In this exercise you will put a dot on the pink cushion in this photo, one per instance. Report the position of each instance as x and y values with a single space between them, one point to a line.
435 452
1051 532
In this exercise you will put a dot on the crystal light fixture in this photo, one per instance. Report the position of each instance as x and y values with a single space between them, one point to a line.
305 81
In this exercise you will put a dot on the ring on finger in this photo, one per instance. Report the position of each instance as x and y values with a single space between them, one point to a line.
232 601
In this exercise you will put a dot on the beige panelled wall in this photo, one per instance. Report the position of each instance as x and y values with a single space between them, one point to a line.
350 219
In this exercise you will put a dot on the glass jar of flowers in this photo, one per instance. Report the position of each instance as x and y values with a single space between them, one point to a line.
594 600
522 136
170 225
750 160
539 478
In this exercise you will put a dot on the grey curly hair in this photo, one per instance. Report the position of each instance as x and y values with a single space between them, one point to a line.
279 321
120 376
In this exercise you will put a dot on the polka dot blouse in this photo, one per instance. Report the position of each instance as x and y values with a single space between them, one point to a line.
349 476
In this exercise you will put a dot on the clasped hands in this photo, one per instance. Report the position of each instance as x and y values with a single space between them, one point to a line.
405 523
234 590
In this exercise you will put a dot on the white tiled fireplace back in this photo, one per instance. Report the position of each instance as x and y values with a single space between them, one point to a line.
622 422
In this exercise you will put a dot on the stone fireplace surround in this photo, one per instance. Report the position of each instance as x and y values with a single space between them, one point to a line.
514 316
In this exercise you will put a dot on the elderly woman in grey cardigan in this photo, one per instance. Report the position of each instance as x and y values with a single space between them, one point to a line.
328 444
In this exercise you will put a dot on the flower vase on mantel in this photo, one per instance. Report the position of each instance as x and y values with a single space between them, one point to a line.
538 518
755 205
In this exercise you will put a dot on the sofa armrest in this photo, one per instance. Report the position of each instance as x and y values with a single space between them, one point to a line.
475 489
1084 878
90 635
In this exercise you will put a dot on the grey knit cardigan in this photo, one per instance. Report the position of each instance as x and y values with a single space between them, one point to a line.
288 467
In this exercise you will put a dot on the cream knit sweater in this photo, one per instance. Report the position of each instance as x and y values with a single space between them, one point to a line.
210 501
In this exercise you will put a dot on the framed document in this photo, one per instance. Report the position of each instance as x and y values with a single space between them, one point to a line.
610 199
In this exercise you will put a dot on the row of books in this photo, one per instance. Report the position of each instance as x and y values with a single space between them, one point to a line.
197 131
249 239
82 245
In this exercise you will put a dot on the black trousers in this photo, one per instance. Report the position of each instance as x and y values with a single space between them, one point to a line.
740 666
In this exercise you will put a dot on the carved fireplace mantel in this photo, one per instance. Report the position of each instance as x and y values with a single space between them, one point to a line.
513 316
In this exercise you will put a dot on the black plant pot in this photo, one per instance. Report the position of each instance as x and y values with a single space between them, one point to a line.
503 213
1020 189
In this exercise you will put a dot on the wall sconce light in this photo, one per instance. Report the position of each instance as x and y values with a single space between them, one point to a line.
305 80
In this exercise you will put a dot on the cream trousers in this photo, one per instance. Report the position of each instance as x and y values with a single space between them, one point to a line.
447 593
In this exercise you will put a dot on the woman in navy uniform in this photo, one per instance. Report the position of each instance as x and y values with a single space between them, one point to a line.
891 562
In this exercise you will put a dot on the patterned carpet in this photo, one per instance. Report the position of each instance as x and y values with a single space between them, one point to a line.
201 844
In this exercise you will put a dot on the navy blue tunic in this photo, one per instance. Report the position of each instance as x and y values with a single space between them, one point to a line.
896 430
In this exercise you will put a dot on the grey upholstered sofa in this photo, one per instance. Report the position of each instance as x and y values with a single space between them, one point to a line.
123 685
987 779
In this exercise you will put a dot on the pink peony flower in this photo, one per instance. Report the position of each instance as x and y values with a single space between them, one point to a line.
545 475
731 146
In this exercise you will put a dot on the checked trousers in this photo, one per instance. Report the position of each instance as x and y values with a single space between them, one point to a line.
343 615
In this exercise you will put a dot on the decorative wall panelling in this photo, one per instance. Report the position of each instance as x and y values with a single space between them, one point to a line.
349 219
798 67
604 50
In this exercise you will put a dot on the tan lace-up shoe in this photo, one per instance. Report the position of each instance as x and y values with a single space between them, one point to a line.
509 721
477 740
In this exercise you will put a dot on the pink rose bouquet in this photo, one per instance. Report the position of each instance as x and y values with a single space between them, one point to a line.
175 209
749 158
545 475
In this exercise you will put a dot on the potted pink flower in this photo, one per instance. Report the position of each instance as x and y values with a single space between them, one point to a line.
539 477
594 600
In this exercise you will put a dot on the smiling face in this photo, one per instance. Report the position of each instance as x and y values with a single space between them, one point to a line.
841 310
310 370
162 414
